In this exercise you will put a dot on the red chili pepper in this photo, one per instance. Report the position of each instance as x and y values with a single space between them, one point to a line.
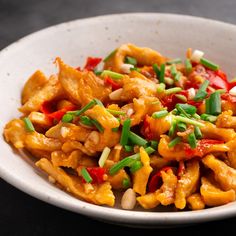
146 129
48 107
92 62
181 169
228 97
155 180
57 115
97 174
111 82
218 79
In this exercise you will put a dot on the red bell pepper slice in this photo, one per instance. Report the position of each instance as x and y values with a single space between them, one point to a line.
155 180
97 174
111 82
91 63
218 79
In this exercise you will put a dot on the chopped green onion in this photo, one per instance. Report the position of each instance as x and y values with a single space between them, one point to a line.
136 69
128 161
169 81
221 91
173 70
172 128
128 148
112 74
97 125
28 124
131 61
156 70
174 61
85 120
201 93
115 129
182 110
188 66
197 132
187 108
154 144
105 153
126 183
85 108
173 142
209 118
177 77
207 106
173 90
110 55
67 118
97 72
192 140
86 176
189 121
181 126
136 166
135 139
209 64
215 103
175 112
159 114
162 73
196 116
125 132
114 112
181 97
98 102
161 88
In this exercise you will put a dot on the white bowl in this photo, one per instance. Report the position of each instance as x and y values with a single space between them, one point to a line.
73 42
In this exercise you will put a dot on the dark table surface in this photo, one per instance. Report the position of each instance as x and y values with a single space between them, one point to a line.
21 214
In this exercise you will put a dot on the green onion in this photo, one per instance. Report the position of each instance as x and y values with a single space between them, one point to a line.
28 124
201 93
181 126
172 128
128 161
215 103
173 142
188 66
97 72
173 70
131 61
115 129
97 125
125 132
192 140
159 114
135 139
98 102
128 148
181 97
112 74
169 81
187 108
209 118
86 176
136 69
209 64
85 108
154 144
67 118
136 166
197 132
162 73
189 121
173 90
126 183
110 55
114 112
105 153
161 88
196 116
175 112
207 105
221 91
174 61
182 110
156 70
85 120
177 77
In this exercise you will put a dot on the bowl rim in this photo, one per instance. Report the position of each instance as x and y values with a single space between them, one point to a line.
141 218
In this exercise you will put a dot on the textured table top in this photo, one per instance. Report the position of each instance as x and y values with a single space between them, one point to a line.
21 214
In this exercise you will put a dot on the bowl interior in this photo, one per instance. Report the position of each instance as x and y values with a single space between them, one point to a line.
73 42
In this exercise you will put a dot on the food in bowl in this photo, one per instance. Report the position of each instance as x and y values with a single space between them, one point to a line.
159 130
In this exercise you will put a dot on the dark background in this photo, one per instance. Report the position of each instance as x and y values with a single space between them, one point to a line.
21 214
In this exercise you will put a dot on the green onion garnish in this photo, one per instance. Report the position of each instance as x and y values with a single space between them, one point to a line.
128 161
86 176
173 70
174 61
201 93
187 108
97 125
172 128
169 81
135 139
97 72
115 129
67 118
188 66
181 97
197 132
162 73
84 109
112 74
207 105
209 118
173 90
85 120
98 102
173 142
135 166
189 121
156 70
128 148
136 69
161 88
28 124
110 55
182 110
125 132
181 126
209 64
192 140
105 153
154 144
196 116
177 77
131 61
159 114
114 112
126 183
215 104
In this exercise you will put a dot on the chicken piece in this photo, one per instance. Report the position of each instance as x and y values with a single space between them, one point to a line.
228 105
52 90
81 87
148 201
226 120
99 194
40 120
231 158
195 202
214 196
158 162
224 174
15 132
166 194
187 184
144 56
141 176
34 84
